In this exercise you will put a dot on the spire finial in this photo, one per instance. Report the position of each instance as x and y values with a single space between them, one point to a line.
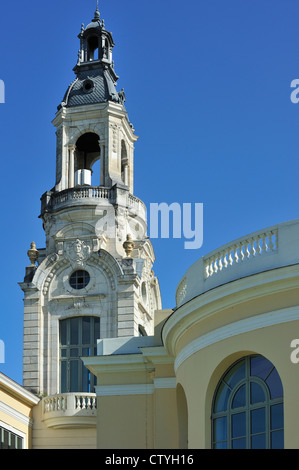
97 13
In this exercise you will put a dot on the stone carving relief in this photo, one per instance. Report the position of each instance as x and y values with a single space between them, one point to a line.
77 252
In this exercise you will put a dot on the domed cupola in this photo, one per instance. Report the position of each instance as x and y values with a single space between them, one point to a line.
96 79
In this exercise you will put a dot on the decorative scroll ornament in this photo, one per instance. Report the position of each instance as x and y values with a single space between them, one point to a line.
78 252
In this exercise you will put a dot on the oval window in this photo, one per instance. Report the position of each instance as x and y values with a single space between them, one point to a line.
79 279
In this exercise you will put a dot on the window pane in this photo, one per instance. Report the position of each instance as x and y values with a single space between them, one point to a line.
274 384
63 377
240 397
277 440
96 330
219 431
220 445
236 374
19 443
257 394
74 352
258 442
277 416
239 443
222 397
63 332
79 279
239 425
258 420
63 352
85 330
5 439
12 441
260 367
74 376
85 380
74 325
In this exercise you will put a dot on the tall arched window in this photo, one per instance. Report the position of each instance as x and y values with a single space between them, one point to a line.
78 338
247 408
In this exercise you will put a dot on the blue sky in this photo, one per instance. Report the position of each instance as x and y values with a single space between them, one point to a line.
207 84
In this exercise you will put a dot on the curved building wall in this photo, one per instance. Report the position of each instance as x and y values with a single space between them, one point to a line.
254 315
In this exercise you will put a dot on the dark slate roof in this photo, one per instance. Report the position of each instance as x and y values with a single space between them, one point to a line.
102 89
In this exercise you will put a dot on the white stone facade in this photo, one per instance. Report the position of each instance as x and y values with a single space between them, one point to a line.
86 227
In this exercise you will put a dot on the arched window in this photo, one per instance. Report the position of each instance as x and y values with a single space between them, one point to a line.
247 408
78 338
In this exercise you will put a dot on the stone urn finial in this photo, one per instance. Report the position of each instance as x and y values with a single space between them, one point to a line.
32 254
128 246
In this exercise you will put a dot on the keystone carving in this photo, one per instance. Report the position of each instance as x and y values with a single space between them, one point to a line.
77 252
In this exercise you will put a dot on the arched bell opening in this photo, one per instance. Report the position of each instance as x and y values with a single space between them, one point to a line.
93 51
87 160
124 164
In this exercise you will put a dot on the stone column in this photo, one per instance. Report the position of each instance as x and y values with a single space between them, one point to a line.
126 172
72 149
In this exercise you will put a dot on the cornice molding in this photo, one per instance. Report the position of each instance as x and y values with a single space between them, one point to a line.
17 390
165 382
226 296
233 329
119 390
15 414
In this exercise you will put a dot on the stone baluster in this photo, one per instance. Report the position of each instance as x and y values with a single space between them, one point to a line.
230 258
264 244
212 266
220 261
271 244
236 256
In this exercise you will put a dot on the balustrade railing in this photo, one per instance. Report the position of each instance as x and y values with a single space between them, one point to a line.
55 403
50 200
70 402
85 402
93 192
256 245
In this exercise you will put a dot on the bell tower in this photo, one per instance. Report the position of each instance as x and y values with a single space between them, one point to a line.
94 277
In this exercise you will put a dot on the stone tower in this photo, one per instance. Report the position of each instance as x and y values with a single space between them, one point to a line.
94 278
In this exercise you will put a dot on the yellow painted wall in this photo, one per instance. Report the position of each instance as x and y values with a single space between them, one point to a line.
200 373
47 438
125 422
11 419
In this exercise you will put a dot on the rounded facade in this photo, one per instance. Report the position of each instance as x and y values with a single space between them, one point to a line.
231 344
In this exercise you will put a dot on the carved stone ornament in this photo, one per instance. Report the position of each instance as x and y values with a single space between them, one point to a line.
78 252
32 254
